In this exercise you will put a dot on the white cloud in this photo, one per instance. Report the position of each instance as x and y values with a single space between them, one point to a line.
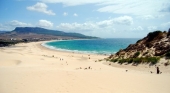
41 7
73 2
75 14
13 24
152 28
125 20
91 26
166 25
146 17
122 20
135 7
88 28
165 7
65 14
139 28
105 23
105 28
45 24
4 27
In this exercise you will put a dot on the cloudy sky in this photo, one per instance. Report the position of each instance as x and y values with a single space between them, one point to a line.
102 18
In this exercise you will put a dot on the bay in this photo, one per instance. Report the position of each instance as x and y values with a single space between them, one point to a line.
95 46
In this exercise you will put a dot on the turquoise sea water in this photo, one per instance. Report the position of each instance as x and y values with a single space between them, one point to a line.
97 46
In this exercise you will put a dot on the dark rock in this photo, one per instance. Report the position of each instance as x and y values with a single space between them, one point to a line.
168 32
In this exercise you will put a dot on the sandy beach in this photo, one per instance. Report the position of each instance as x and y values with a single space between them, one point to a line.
32 68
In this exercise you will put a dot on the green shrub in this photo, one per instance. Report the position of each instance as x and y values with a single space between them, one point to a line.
167 55
144 60
130 60
136 54
151 60
153 35
100 60
121 61
114 60
137 60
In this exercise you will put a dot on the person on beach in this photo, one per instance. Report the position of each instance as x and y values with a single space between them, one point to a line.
157 70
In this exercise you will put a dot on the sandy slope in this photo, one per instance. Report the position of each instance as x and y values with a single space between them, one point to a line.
31 68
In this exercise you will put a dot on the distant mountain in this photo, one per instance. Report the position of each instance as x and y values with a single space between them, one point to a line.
39 34
38 30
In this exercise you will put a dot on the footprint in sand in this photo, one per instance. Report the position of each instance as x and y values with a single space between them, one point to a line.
17 62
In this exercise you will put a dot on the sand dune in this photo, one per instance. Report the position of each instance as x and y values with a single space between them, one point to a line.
31 68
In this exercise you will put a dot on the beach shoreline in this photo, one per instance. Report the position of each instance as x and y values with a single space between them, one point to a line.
92 46
141 67
70 51
33 68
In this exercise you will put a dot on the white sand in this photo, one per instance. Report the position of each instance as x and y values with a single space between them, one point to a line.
31 68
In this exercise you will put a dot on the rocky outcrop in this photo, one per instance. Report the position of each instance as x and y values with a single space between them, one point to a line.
168 32
154 44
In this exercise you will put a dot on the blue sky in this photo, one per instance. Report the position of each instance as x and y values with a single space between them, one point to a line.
102 18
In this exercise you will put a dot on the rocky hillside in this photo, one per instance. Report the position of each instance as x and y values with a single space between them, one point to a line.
38 30
32 34
41 33
155 44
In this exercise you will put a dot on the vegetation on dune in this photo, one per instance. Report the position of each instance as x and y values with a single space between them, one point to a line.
148 50
136 54
146 60
114 60
4 43
7 43
167 55
156 35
